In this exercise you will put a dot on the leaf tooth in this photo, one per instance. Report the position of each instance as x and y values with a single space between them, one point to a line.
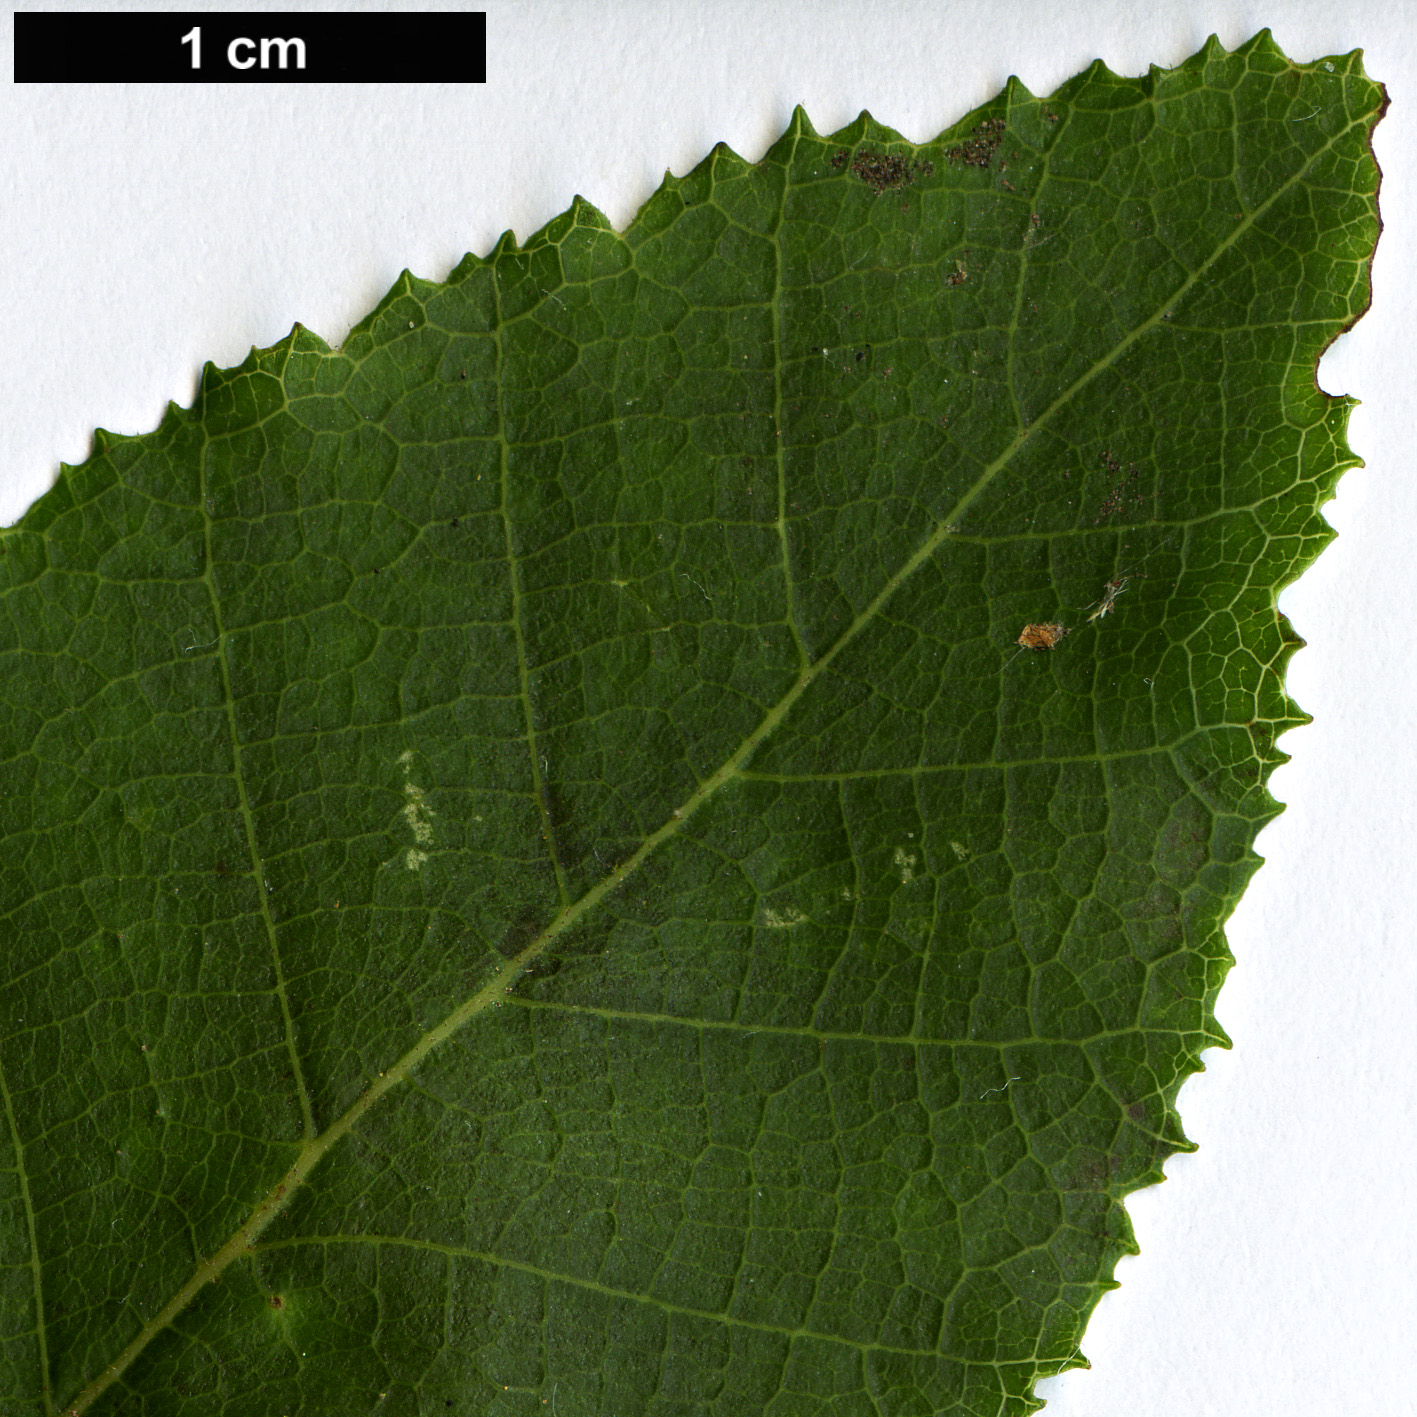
1015 94
586 213
505 245
853 132
801 123
303 340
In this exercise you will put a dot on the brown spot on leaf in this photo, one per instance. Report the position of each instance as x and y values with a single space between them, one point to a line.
888 172
978 149
1094 1173
1123 495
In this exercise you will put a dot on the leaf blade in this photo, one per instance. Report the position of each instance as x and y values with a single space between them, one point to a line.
336 598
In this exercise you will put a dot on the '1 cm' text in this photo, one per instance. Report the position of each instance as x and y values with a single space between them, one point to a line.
241 53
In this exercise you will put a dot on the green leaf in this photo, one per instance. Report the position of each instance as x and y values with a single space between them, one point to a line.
539 874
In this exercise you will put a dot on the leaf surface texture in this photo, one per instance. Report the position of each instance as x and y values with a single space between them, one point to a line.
539 875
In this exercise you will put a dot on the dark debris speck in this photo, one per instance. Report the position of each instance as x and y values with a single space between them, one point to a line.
888 172
1125 495
978 149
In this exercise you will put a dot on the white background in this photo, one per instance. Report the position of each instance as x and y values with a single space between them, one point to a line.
146 229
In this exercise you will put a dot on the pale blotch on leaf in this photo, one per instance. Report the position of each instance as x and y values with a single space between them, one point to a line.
782 919
417 813
904 863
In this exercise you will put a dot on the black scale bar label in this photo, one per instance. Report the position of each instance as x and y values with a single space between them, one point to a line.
225 47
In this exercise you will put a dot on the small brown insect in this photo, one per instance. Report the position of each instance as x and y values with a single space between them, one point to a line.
1042 636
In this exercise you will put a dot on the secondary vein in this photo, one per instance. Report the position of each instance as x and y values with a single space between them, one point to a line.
538 781
32 1236
780 450
248 822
